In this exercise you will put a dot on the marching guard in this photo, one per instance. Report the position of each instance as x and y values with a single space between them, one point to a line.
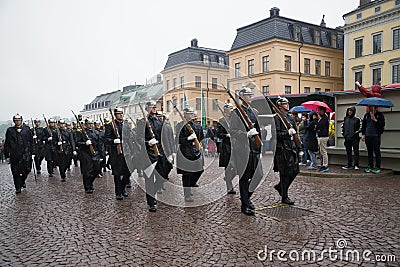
90 151
246 147
65 148
18 148
225 160
39 141
190 161
49 154
120 170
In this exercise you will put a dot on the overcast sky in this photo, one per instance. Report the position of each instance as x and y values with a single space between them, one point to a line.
57 55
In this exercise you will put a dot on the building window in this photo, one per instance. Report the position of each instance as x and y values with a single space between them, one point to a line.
182 107
358 77
197 82
359 15
266 90
396 38
214 83
265 60
317 67
167 85
327 68
206 59
288 89
182 81
297 33
307 90
377 9
250 68
198 103
341 70
397 2
376 76
317 37
221 60
377 43
237 70
288 63
174 102
168 106
215 104
174 83
327 90
334 40
317 89
358 48
307 65
396 73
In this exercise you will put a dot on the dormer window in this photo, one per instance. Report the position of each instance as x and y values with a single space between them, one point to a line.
317 37
206 59
334 40
221 60
297 33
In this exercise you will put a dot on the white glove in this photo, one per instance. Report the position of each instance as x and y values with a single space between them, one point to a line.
50 138
358 84
152 142
228 136
192 137
59 143
252 132
170 159
74 153
35 137
117 141
88 142
292 131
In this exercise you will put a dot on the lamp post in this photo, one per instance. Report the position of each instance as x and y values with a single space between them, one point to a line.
208 89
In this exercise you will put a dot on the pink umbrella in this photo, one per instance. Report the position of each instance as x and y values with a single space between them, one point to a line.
313 105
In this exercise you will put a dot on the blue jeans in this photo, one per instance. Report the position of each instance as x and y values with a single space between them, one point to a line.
313 158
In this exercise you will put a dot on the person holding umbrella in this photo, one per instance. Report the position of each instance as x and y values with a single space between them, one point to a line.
372 128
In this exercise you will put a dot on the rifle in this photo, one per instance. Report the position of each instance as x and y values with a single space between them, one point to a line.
296 138
119 148
59 139
34 169
34 131
196 141
155 148
49 131
245 117
134 123
84 133
223 113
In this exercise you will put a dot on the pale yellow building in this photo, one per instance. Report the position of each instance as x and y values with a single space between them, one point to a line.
372 43
286 56
190 72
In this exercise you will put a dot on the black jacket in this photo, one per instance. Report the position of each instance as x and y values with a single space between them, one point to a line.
323 126
351 126
380 124
222 131
18 143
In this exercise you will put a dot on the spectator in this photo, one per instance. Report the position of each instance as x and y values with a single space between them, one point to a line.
373 125
323 137
302 130
351 129
310 138
295 115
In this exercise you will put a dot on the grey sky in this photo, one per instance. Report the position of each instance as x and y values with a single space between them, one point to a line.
57 55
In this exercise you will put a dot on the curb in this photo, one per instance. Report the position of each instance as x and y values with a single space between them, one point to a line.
382 174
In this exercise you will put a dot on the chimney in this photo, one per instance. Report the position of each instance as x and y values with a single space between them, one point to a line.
323 24
274 12
364 2
193 43
158 78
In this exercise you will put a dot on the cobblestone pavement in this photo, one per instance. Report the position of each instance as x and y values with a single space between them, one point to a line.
53 223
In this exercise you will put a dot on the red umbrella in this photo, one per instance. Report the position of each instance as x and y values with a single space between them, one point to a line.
313 105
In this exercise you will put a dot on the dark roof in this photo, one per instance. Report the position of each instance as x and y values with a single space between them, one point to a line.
359 8
194 56
283 28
